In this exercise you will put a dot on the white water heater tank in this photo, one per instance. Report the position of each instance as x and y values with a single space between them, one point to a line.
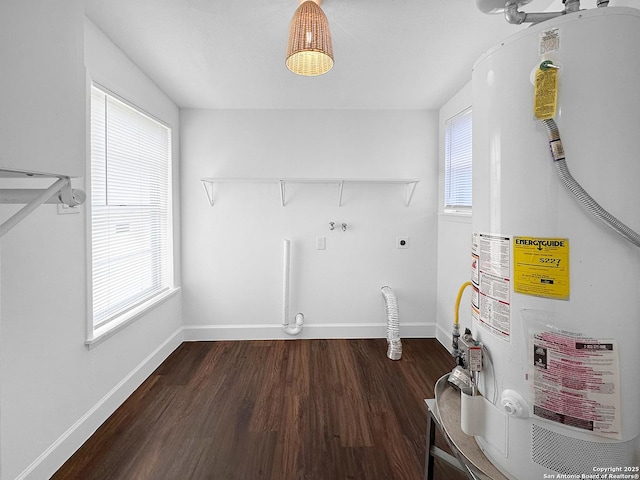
556 297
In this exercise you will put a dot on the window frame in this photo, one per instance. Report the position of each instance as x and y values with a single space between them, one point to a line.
449 207
98 332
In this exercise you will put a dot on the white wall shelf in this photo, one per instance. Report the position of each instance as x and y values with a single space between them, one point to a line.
409 183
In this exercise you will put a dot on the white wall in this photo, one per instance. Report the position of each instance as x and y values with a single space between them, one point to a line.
55 391
454 239
232 252
42 66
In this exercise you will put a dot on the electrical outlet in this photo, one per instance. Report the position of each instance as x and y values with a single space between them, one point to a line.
321 243
402 242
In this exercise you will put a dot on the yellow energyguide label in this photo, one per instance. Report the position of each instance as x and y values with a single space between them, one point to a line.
541 267
546 94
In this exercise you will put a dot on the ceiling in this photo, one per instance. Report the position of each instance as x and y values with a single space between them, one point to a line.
389 54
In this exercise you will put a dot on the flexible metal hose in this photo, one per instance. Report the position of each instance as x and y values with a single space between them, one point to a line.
456 323
394 350
581 196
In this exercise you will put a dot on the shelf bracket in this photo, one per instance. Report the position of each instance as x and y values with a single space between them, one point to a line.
411 187
282 185
208 190
59 192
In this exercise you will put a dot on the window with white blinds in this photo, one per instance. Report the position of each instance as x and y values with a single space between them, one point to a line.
457 174
130 207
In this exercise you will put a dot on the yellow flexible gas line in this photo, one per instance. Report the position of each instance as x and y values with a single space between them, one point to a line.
458 298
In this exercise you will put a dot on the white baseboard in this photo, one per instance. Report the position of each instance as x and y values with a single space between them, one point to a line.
193 333
53 457
444 337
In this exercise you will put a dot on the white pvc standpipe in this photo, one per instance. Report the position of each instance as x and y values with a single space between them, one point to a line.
286 271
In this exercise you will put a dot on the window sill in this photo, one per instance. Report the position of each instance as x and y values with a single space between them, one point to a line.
100 334
456 215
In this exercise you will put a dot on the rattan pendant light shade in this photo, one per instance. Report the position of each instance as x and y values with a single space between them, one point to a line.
309 51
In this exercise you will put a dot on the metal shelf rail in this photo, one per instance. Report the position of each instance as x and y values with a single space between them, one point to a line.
59 191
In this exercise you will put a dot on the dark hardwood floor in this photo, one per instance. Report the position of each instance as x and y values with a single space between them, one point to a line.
295 409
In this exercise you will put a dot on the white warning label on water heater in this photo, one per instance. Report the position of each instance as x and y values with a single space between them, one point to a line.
575 381
549 41
491 304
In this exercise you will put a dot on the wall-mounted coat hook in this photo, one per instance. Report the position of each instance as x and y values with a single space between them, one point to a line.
344 227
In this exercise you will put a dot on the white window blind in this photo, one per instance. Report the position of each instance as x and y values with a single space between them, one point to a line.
457 186
130 207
